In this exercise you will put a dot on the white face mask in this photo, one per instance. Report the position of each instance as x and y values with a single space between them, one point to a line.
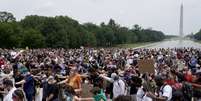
86 81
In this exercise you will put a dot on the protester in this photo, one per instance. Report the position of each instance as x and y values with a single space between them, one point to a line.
8 86
73 80
98 94
18 95
118 84
28 85
165 90
56 74
52 91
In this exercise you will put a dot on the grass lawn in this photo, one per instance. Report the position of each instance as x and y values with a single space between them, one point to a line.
198 41
134 45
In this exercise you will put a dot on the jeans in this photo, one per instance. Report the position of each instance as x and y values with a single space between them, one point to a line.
29 97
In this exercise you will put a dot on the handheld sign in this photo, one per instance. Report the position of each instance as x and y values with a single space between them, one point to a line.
146 65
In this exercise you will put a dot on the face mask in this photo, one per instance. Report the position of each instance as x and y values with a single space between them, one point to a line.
159 83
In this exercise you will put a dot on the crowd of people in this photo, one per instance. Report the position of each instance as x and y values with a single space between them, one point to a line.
113 74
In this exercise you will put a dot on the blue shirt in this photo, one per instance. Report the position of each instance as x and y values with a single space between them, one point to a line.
29 85
193 62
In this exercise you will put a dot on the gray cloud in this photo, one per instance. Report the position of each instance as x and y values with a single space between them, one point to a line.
158 14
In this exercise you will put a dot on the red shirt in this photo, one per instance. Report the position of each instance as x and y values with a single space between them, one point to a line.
1 62
188 77
170 82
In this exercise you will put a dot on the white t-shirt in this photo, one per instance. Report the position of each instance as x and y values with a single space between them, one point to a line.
141 96
9 96
129 61
166 91
118 88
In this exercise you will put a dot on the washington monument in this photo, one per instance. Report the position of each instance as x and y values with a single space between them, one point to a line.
181 22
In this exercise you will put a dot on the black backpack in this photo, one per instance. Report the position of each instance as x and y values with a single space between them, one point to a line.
177 95
187 91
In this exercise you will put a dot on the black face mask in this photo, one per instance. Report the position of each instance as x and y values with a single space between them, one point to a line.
159 83
116 78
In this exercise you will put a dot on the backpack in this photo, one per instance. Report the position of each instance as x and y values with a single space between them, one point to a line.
177 94
187 90
127 88
126 80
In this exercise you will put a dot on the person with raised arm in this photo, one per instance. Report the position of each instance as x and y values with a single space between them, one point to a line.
118 84
73 80
8 86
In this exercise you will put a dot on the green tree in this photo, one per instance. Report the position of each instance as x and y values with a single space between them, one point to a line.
197 36
62 31
136 27
33 21
6 17
10 35
32 39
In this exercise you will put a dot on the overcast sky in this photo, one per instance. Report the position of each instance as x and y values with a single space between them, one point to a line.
160 15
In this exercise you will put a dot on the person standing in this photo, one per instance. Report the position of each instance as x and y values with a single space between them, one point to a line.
18 95
73 80
119 87
52 91
8 86
165 90
28 85
98 94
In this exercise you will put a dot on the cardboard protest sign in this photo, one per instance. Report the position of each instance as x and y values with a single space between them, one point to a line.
146 65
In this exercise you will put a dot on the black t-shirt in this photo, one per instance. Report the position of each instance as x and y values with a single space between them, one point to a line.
45 90
133 89
135 62
96 81
18 78
52 89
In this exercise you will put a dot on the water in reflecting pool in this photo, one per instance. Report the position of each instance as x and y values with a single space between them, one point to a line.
175 43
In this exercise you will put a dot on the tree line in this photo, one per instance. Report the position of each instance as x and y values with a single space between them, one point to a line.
64 32
197 35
